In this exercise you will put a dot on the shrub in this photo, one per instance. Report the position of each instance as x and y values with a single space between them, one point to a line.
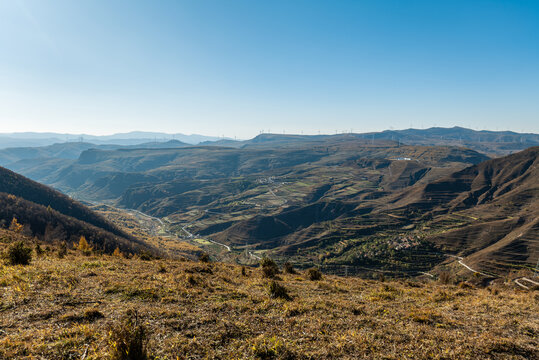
62 250
92 314
128 340
276 291
15 226
204 257
38 250
269 267
289 268
89 315
18 254
145 255
444 277
271 348
314 274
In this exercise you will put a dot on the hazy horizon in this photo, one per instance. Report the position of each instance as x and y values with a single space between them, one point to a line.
236 68
171 136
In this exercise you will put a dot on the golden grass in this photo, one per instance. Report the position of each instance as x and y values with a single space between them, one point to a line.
64 308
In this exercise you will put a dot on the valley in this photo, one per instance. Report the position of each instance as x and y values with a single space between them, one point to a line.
347 203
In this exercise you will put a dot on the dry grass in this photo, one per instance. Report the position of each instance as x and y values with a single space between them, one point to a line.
64 309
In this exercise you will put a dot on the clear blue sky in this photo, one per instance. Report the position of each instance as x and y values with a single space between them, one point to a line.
237 67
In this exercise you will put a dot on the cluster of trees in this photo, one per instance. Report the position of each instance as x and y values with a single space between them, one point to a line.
19 186
50 225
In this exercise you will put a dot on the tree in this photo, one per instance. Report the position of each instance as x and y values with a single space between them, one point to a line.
15 226
83 245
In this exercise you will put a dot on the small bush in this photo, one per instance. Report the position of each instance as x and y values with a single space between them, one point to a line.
15 226
191 280
18 254
445 277
269 267
277 291
145 255
204 257
62 250
92 314
289 268
38 250
314 274
128 340
89 315
117 252
271 348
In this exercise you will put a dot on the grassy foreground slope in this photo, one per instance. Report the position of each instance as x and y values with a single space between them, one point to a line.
65 309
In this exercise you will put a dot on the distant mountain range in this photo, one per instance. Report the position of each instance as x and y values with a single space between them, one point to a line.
32 139
492 143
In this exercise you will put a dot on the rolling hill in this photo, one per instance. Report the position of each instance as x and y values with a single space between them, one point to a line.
346 199
487 214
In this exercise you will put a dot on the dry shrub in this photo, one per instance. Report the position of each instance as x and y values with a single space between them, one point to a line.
62 250
289 268
128 340
18 254
269 267
465 285
445 277
314 274
38 249
92 314
277 291
89 315
441 295
204 257
271 348
145 255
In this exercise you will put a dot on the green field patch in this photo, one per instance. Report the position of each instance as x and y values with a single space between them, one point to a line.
202 241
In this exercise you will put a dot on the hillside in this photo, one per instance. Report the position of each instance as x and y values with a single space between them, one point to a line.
487 213
51 215
327 200
499 202
274 198
78 307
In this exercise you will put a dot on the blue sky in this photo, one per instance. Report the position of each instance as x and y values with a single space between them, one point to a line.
235 68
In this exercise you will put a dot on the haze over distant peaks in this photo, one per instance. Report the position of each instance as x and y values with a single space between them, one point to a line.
26 139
